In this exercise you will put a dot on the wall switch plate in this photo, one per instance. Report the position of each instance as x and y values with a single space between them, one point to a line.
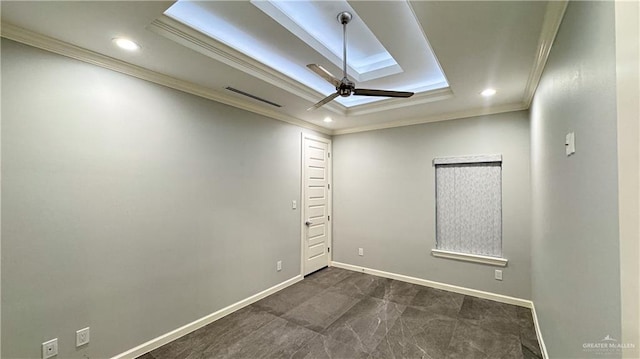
498 274
279 266
570 143
82 337
294 204
50 348
360 251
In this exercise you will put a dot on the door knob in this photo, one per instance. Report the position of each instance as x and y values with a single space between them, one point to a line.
308 222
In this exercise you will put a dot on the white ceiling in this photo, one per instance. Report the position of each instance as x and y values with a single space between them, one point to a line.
478 44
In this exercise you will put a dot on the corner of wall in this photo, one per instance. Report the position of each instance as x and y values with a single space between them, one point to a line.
627 18
575 211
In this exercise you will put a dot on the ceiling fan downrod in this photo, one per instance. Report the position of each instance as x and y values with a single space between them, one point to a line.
344 18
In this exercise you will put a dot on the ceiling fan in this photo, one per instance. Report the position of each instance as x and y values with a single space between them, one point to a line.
344 87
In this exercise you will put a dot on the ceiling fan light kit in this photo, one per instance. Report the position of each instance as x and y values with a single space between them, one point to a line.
344 87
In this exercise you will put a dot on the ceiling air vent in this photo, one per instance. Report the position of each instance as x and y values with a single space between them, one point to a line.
252 96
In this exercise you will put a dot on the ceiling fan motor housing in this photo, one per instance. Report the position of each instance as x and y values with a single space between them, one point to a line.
346 88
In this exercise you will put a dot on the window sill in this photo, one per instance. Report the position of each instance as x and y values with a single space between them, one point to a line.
494 261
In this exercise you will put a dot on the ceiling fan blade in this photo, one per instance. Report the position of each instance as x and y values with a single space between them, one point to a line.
382 93
322 72
323 101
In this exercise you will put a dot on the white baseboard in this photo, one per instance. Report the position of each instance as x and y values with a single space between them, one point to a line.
543 348
438 285
454 288
199 323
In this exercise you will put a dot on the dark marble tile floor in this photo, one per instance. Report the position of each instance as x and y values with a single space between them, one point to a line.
335 313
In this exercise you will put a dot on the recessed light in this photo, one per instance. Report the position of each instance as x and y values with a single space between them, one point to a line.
328 119
488 92
126 44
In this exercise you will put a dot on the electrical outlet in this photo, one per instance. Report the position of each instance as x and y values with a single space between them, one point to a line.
498 274
50 348
279 266
360 251
82 337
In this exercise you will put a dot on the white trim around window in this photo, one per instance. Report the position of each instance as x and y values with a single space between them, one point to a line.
467 159
494 261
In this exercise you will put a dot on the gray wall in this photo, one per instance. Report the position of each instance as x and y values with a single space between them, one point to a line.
132 208
576 281
384 196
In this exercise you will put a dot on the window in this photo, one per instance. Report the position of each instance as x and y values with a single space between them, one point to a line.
469 208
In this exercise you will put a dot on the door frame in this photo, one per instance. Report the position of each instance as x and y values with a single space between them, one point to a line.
303 207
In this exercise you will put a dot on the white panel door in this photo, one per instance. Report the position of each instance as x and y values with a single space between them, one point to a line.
316 202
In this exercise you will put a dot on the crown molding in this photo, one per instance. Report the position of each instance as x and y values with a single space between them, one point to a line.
435 118
15 33
199 42
550 26
195 40
43 42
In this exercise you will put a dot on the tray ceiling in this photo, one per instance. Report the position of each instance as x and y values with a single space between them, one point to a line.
247 27
477 44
